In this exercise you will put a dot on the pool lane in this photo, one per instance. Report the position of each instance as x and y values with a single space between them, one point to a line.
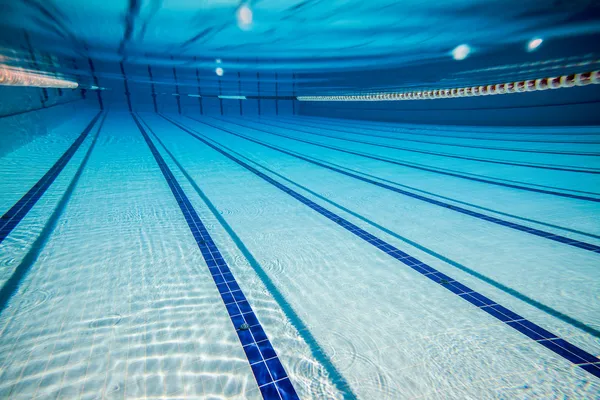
566 212
391 332
270 374
385 183
521 264
11 218
298 326
492 175
546 311
512 225
260 159
21 243
10 284
564 349
538 154
23 166
120 303
581 159
463 143
552 167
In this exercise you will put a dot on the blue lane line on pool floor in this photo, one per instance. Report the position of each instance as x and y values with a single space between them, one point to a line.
559 346
489 218
270 375
440 171
18 211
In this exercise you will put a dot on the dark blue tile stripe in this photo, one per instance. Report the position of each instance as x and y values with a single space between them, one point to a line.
95 78
153 88
270 375
434 153
177 97
433 170
126 84
515 321
18 211
475 214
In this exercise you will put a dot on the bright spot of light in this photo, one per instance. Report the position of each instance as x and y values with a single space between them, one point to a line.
461 52
534 44
219 71
244 16
233 97
218 61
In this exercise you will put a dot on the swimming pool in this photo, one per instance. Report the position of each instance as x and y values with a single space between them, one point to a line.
298 228
117 297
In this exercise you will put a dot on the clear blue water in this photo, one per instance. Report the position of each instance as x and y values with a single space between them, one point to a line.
160 242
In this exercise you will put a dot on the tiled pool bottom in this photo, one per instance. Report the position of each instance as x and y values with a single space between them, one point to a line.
379 261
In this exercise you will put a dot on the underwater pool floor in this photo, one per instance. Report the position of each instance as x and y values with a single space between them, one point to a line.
216 257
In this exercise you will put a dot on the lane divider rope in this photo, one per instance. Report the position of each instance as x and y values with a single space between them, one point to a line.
530 85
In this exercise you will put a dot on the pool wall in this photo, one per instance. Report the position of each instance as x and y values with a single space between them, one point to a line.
28 112
187 89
